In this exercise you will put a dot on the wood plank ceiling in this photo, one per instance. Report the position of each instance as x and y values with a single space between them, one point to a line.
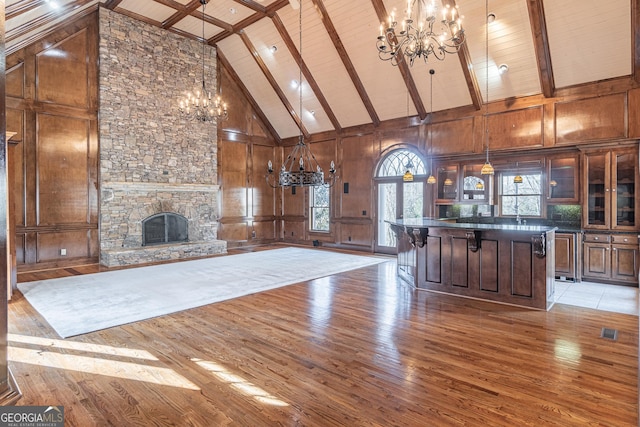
551 48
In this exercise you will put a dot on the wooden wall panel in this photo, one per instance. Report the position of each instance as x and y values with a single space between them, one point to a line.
61 70
16 81
233 178
77 244
592 119
453 137
516 129
54 158
634 113
233 231
360 155
356 234
294 201
263 201
522 269
62 162
391 137
294 230
264 230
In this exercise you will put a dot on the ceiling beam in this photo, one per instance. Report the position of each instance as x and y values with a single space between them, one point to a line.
254 105
342 52
181 14
403 67
470 76
112 4
274 84
541 45
305 71
240 26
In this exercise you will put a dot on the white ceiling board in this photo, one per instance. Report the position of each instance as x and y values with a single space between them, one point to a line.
382 82
284 69
257 84
589 40
510 43
228 11
155 11
193 25
325 65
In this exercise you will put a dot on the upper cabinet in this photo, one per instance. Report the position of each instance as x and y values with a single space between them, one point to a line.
448 183
611 195
563 176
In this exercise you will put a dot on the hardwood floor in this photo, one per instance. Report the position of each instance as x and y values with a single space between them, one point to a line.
358 348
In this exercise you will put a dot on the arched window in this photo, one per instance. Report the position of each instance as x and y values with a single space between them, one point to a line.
397 162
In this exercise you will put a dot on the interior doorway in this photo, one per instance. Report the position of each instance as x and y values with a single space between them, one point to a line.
397 198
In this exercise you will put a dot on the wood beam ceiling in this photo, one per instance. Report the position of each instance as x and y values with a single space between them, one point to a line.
541 45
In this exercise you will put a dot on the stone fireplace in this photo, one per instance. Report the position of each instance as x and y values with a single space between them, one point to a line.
152 161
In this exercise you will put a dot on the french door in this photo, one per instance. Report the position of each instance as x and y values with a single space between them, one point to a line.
396 199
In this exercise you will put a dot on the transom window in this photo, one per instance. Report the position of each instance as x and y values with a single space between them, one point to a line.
525 198
397 162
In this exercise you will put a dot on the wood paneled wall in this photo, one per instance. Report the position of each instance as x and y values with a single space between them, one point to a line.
532 126
52 104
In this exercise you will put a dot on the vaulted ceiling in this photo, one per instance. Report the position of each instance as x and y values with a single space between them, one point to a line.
551 47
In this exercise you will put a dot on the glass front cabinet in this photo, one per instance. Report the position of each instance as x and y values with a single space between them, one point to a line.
610 190
563 177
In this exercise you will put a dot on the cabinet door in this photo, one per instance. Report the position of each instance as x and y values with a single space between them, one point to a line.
475 186
562 184
597 190
624 170
596 261
624 263
448 183
565 255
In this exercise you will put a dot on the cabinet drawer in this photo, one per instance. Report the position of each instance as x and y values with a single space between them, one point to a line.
597 238
625 239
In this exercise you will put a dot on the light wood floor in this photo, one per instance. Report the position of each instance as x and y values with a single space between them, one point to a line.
358 348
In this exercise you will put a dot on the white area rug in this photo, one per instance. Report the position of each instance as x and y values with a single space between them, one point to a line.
81 304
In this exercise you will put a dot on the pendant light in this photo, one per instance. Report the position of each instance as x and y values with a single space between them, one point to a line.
518 178
487 168
431 179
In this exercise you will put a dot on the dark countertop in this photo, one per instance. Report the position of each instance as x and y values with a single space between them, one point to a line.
432 223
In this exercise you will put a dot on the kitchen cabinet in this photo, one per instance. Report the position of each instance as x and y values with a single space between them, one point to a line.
447 182
563 177
610 193
611 257
566 256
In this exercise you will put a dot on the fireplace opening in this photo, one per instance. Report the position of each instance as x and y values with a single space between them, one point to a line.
164 227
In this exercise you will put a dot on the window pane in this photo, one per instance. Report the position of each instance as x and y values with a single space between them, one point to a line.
319 209
523 199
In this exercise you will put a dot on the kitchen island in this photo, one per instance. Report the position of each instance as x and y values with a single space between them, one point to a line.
511 264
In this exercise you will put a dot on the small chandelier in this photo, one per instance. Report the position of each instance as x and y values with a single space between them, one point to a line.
429 33
200 105
431 179
300 169
487 168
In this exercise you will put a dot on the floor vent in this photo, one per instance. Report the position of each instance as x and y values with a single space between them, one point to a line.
608 333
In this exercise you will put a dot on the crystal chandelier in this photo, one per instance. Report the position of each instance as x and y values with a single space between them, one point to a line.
300 169
424 32
200 105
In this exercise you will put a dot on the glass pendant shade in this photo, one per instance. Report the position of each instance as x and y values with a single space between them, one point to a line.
517 179
431 179
487 169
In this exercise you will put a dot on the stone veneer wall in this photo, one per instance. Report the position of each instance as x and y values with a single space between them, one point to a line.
151 159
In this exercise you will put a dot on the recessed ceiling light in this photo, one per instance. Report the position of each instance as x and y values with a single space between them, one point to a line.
491 17
294 84
503 68
273 48
233 10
